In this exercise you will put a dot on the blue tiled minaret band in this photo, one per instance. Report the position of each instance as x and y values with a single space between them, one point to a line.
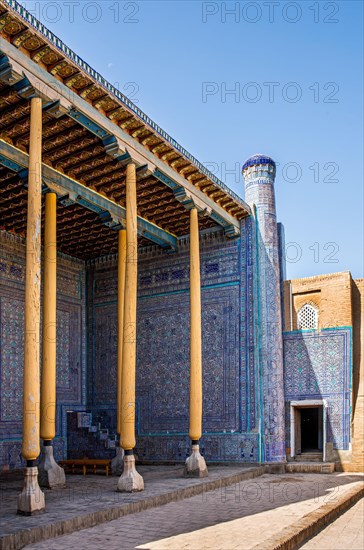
259 174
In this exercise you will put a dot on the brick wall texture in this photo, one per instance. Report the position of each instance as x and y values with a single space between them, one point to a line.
340 303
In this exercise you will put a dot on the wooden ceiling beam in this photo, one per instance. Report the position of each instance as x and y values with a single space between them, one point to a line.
91 200
37 72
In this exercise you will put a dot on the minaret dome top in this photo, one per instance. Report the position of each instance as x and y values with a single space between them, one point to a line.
258 159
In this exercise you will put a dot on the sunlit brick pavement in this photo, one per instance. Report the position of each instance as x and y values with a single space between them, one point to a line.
241 516
346 533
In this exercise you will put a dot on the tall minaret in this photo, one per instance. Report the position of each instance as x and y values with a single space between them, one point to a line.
259 173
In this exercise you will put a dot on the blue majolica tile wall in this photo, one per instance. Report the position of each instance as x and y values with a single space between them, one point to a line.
317 365
71 364
229 377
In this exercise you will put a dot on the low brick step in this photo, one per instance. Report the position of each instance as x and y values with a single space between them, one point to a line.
309 457
311 524
310 467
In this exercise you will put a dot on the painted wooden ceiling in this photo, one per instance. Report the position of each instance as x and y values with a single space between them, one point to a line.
71 149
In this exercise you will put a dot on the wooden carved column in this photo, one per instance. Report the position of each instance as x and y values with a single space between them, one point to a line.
130 480
50 474
195 463
31 499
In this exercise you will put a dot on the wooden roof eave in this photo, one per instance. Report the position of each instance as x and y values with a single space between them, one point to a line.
63 184
134 145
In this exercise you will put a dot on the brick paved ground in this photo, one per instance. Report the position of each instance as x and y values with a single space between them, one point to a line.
89 500
237 517
93 493
346 533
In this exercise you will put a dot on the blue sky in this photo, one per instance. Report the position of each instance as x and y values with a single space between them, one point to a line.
296 71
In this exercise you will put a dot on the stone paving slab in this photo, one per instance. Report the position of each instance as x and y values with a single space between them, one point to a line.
247 515
88 501
345 533
292 536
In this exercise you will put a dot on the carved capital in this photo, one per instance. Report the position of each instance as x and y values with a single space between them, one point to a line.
115 149
67 200
231 231
111 221
189 201
55 109
8 75
185 198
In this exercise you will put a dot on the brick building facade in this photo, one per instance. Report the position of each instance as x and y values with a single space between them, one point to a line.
326 361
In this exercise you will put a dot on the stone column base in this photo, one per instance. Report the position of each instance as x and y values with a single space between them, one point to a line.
130 481
31 499
195 465
51 475
117 463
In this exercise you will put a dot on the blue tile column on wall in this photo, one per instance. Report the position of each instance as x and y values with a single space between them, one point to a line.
259 174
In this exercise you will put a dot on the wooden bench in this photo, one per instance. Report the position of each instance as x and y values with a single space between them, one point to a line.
85 464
